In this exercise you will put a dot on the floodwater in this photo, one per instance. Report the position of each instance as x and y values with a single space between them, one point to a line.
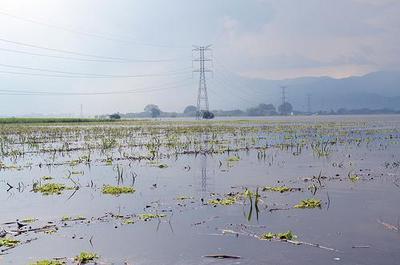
350 164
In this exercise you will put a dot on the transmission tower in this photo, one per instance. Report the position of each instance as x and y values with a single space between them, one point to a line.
202 97
309 103
283 106
283 95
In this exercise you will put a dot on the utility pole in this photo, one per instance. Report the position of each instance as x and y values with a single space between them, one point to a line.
81 111
202 97
309 104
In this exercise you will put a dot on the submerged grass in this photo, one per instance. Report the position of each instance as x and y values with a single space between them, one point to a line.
117 190
51 188
281 236
86 257
280 189
49 262
149 216
309 203
8 242
224 201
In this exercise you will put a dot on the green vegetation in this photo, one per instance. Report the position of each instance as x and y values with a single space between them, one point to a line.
309 203
280 189
117 190
48 262
86 257
49 120
281 236
8 242
226 201
233 159
29 220
51 188
149 216
70 218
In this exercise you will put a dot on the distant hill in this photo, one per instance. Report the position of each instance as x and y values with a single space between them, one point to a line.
375 91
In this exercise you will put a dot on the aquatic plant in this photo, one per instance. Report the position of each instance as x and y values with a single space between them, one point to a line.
280 189
49 262
86 257
281 236
225 201
50 188
117 190
233 159
149 216
8 242
29 220
67 218
309 203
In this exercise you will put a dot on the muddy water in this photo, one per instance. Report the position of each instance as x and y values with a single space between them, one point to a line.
356 223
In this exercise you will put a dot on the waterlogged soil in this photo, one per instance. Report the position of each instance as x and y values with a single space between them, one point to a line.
203 192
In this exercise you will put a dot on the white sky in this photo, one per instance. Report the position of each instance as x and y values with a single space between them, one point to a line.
269 39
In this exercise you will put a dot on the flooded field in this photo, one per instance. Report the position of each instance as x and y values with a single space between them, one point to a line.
294 190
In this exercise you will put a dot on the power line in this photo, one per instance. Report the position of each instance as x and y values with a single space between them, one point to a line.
88 60
88 75
103 58
132 91
92 34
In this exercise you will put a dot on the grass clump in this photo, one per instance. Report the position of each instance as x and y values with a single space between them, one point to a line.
182 198
29 220
49 262
280 189
149 216
281 236
226 201
117 190
233 159
8 242
50 188
86 257
162 166
67 218
309 203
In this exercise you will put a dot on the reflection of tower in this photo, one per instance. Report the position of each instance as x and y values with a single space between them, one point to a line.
204 174
203 180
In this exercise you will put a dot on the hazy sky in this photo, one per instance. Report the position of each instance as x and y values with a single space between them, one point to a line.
270 39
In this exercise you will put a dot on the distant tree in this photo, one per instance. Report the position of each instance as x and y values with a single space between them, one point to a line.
115 116
262 110
190 110
149 107
208 115
285 108
155 112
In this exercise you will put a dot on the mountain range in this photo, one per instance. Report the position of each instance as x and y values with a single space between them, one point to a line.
375 90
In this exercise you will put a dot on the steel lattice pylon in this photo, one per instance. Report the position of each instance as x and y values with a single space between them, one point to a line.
202 97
